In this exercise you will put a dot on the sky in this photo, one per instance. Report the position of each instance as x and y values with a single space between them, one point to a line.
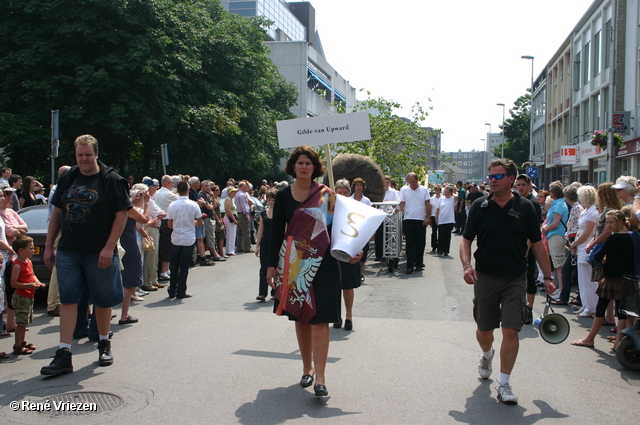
459 57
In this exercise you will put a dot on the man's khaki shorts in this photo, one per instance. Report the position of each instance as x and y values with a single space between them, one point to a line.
500 299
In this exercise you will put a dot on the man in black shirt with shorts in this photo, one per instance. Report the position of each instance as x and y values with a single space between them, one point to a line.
89 210
503 222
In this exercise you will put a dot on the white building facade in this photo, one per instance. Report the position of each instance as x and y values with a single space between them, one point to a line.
296 49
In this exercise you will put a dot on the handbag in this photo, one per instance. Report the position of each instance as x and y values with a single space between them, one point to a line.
590 258
148 246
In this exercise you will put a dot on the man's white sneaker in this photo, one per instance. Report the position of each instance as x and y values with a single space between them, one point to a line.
484 366
506 395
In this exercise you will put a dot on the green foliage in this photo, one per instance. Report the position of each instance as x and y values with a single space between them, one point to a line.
516 131
137 74
398 145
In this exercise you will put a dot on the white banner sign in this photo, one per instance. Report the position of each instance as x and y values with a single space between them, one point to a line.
353 225
323 130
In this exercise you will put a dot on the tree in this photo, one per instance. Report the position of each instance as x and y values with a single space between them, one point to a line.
516 131
398 145
137 74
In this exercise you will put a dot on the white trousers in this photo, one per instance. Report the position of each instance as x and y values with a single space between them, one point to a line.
587 288
231 235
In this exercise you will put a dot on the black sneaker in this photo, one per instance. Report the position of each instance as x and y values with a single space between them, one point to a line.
104 349
60 364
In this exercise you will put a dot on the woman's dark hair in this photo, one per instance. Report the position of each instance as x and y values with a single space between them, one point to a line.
26 185
358 180
318 165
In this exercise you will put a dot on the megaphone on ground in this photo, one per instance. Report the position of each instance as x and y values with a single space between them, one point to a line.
554 328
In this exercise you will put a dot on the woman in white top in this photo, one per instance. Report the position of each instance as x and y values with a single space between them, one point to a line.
358 185
435 200
587 196
445 219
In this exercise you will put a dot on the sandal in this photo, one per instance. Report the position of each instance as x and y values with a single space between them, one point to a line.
21 350
3 355
261 298
28 346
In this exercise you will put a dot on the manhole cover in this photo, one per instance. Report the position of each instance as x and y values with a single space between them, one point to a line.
80 403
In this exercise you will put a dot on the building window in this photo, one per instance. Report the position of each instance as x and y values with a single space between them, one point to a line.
585 63
625 167
576 126
576 72
596 54
585 121
596 112
605 104
607 44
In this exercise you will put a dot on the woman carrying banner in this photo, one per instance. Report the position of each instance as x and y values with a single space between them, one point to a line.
307 279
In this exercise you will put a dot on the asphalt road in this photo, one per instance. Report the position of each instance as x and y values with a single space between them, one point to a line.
222 358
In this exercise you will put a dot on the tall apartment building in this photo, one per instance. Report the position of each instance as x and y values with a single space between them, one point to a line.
472 164
493 142
296 49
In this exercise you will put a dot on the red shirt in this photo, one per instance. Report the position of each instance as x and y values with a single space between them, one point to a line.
26 276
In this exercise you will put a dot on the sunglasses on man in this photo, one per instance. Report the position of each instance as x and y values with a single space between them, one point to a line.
496 176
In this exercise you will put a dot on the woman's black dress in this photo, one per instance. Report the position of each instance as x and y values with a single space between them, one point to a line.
327 283
132 259
28 200
350 275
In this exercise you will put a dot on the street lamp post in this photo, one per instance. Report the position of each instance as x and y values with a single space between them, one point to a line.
489 138
530 110
487 156
504 139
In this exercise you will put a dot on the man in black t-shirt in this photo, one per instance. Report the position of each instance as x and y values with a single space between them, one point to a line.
473 194
503 223
90 211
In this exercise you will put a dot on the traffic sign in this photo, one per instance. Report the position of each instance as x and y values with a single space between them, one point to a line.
532 172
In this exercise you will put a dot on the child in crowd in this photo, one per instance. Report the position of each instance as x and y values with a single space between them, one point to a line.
25 282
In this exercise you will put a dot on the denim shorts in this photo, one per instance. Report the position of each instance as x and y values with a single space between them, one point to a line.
78 270
199 232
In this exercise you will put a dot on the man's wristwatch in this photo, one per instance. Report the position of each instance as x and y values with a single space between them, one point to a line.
548 278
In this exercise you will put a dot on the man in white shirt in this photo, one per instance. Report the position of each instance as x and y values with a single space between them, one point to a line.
5 173
183 217
415 202
164 197
391 194
243 206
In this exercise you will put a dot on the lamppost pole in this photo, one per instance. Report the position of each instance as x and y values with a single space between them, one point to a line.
504 139
530 110
487 156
